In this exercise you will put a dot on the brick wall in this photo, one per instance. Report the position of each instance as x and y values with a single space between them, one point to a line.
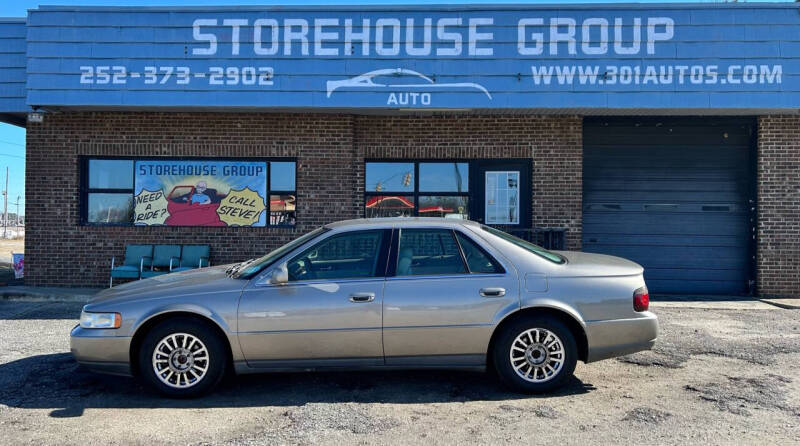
779 206
60 252
330 150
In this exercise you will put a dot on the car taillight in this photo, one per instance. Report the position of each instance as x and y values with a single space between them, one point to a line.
641 299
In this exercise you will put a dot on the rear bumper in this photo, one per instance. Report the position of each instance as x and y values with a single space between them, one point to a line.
617 337
100 351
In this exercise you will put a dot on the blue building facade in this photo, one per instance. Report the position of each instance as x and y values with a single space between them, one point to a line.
658 57
674 102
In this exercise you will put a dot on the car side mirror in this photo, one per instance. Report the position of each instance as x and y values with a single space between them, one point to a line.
280 275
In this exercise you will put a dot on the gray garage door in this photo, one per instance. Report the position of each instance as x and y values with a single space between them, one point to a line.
673 195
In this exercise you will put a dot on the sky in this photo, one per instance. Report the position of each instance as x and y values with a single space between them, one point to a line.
12 155
17 8
12 138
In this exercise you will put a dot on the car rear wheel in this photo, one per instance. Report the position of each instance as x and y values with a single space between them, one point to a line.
182 358
535 355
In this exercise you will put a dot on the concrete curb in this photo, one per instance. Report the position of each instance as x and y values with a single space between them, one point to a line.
787 304
714 305
47 294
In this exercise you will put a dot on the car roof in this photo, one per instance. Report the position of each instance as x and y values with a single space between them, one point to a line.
401 222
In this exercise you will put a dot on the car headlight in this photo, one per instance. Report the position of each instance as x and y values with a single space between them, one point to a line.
100 320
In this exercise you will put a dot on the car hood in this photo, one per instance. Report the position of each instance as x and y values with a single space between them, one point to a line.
203 280
588 264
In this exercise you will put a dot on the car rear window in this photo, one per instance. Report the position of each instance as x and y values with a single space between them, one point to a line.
477 259
528 246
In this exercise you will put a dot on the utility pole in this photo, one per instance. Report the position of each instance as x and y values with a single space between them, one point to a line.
17 203
5 207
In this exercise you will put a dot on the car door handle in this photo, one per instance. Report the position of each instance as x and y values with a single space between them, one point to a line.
362 297
493 292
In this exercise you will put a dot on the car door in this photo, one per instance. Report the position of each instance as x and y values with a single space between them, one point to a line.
328 314
443 297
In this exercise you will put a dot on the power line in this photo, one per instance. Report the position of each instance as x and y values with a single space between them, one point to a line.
12 143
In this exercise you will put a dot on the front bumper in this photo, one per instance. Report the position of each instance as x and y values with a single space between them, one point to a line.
617 337
101 351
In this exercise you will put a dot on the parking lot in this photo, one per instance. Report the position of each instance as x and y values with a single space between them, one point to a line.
718 374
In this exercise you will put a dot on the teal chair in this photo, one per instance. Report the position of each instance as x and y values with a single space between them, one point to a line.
137 257
165 258
193 256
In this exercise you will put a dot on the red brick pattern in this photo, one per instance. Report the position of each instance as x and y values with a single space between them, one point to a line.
330 150
779 206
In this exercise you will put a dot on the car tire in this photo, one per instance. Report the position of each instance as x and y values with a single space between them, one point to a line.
182 358
535 355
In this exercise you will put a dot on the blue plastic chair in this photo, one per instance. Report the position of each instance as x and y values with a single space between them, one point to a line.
194 256
165 258
137 257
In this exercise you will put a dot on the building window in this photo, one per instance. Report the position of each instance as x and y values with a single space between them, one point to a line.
283 193
109 195
188 192
425 189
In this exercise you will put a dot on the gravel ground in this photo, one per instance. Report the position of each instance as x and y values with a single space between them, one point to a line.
7 246
716 376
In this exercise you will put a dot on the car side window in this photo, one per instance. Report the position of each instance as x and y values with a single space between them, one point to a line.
478 260
425 252
345 256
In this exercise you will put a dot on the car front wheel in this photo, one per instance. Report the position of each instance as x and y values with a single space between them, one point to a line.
182 357
535 355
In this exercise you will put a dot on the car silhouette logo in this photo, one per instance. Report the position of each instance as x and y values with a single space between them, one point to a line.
366 81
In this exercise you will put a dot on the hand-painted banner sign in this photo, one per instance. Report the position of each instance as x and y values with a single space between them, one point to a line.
200 193
586 56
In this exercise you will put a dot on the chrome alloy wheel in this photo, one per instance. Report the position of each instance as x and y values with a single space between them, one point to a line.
180 360
537 355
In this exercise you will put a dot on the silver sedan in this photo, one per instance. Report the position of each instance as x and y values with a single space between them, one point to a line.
374 294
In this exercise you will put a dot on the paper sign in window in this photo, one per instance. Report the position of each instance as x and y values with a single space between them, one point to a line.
502 198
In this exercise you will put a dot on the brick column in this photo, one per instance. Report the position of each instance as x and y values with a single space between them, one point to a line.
558 175
779 206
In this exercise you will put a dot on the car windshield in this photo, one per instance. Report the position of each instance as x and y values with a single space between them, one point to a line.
260 263
180 191
528 246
